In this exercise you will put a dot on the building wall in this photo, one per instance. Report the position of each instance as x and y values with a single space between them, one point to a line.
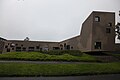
100 32
86 34
2 43
32 45
70 44
1 46
117 47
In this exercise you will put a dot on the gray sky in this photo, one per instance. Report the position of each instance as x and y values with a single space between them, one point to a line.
49 20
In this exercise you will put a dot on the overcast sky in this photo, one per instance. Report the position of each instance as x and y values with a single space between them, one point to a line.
49 20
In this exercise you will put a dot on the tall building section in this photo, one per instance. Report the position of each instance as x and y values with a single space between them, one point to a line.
98 32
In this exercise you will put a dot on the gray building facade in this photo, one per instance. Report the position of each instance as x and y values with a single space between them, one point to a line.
97 34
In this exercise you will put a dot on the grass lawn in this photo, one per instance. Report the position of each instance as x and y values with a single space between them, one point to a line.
117 55
37 56
21 69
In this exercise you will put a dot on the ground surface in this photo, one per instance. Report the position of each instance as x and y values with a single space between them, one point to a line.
59 69
93 77
57 63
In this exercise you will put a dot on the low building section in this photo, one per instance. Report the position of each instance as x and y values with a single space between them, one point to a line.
19 46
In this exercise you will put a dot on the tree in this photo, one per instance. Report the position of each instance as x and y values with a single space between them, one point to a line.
27 39
117 29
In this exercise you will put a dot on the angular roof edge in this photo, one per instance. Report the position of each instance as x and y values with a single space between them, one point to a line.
102 12
32 41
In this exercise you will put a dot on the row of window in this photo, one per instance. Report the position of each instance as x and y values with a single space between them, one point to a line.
37 47
108 30
24 49
33 49
97 19
66 47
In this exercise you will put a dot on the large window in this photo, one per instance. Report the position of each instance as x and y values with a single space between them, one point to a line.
97 19
97 45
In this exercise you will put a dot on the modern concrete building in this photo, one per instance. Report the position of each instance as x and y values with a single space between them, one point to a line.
97 34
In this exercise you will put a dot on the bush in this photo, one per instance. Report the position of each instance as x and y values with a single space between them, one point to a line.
60 56
61 52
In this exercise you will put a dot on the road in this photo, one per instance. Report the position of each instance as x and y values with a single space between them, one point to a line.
93 77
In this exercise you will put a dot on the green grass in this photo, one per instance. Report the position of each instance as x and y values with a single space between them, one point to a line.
46 57
22 69
117 55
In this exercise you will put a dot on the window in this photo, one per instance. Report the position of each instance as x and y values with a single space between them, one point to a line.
65 47
64 44
37 47
18 48
56 48
46 49
109 24
97 19
61 45
31 48
68 47
40 49
108 30
24 49
97 45
6 46
8 49
12 45
71 47
12 48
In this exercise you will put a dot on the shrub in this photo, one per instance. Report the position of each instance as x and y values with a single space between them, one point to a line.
55 56
61 52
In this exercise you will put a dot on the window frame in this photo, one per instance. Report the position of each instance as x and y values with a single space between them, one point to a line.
109 24
97 45
97 19
108 30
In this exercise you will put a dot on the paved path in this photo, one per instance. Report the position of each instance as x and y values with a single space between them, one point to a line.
93 77
45 62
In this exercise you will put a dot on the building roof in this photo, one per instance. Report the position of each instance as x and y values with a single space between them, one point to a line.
31 41
3 39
